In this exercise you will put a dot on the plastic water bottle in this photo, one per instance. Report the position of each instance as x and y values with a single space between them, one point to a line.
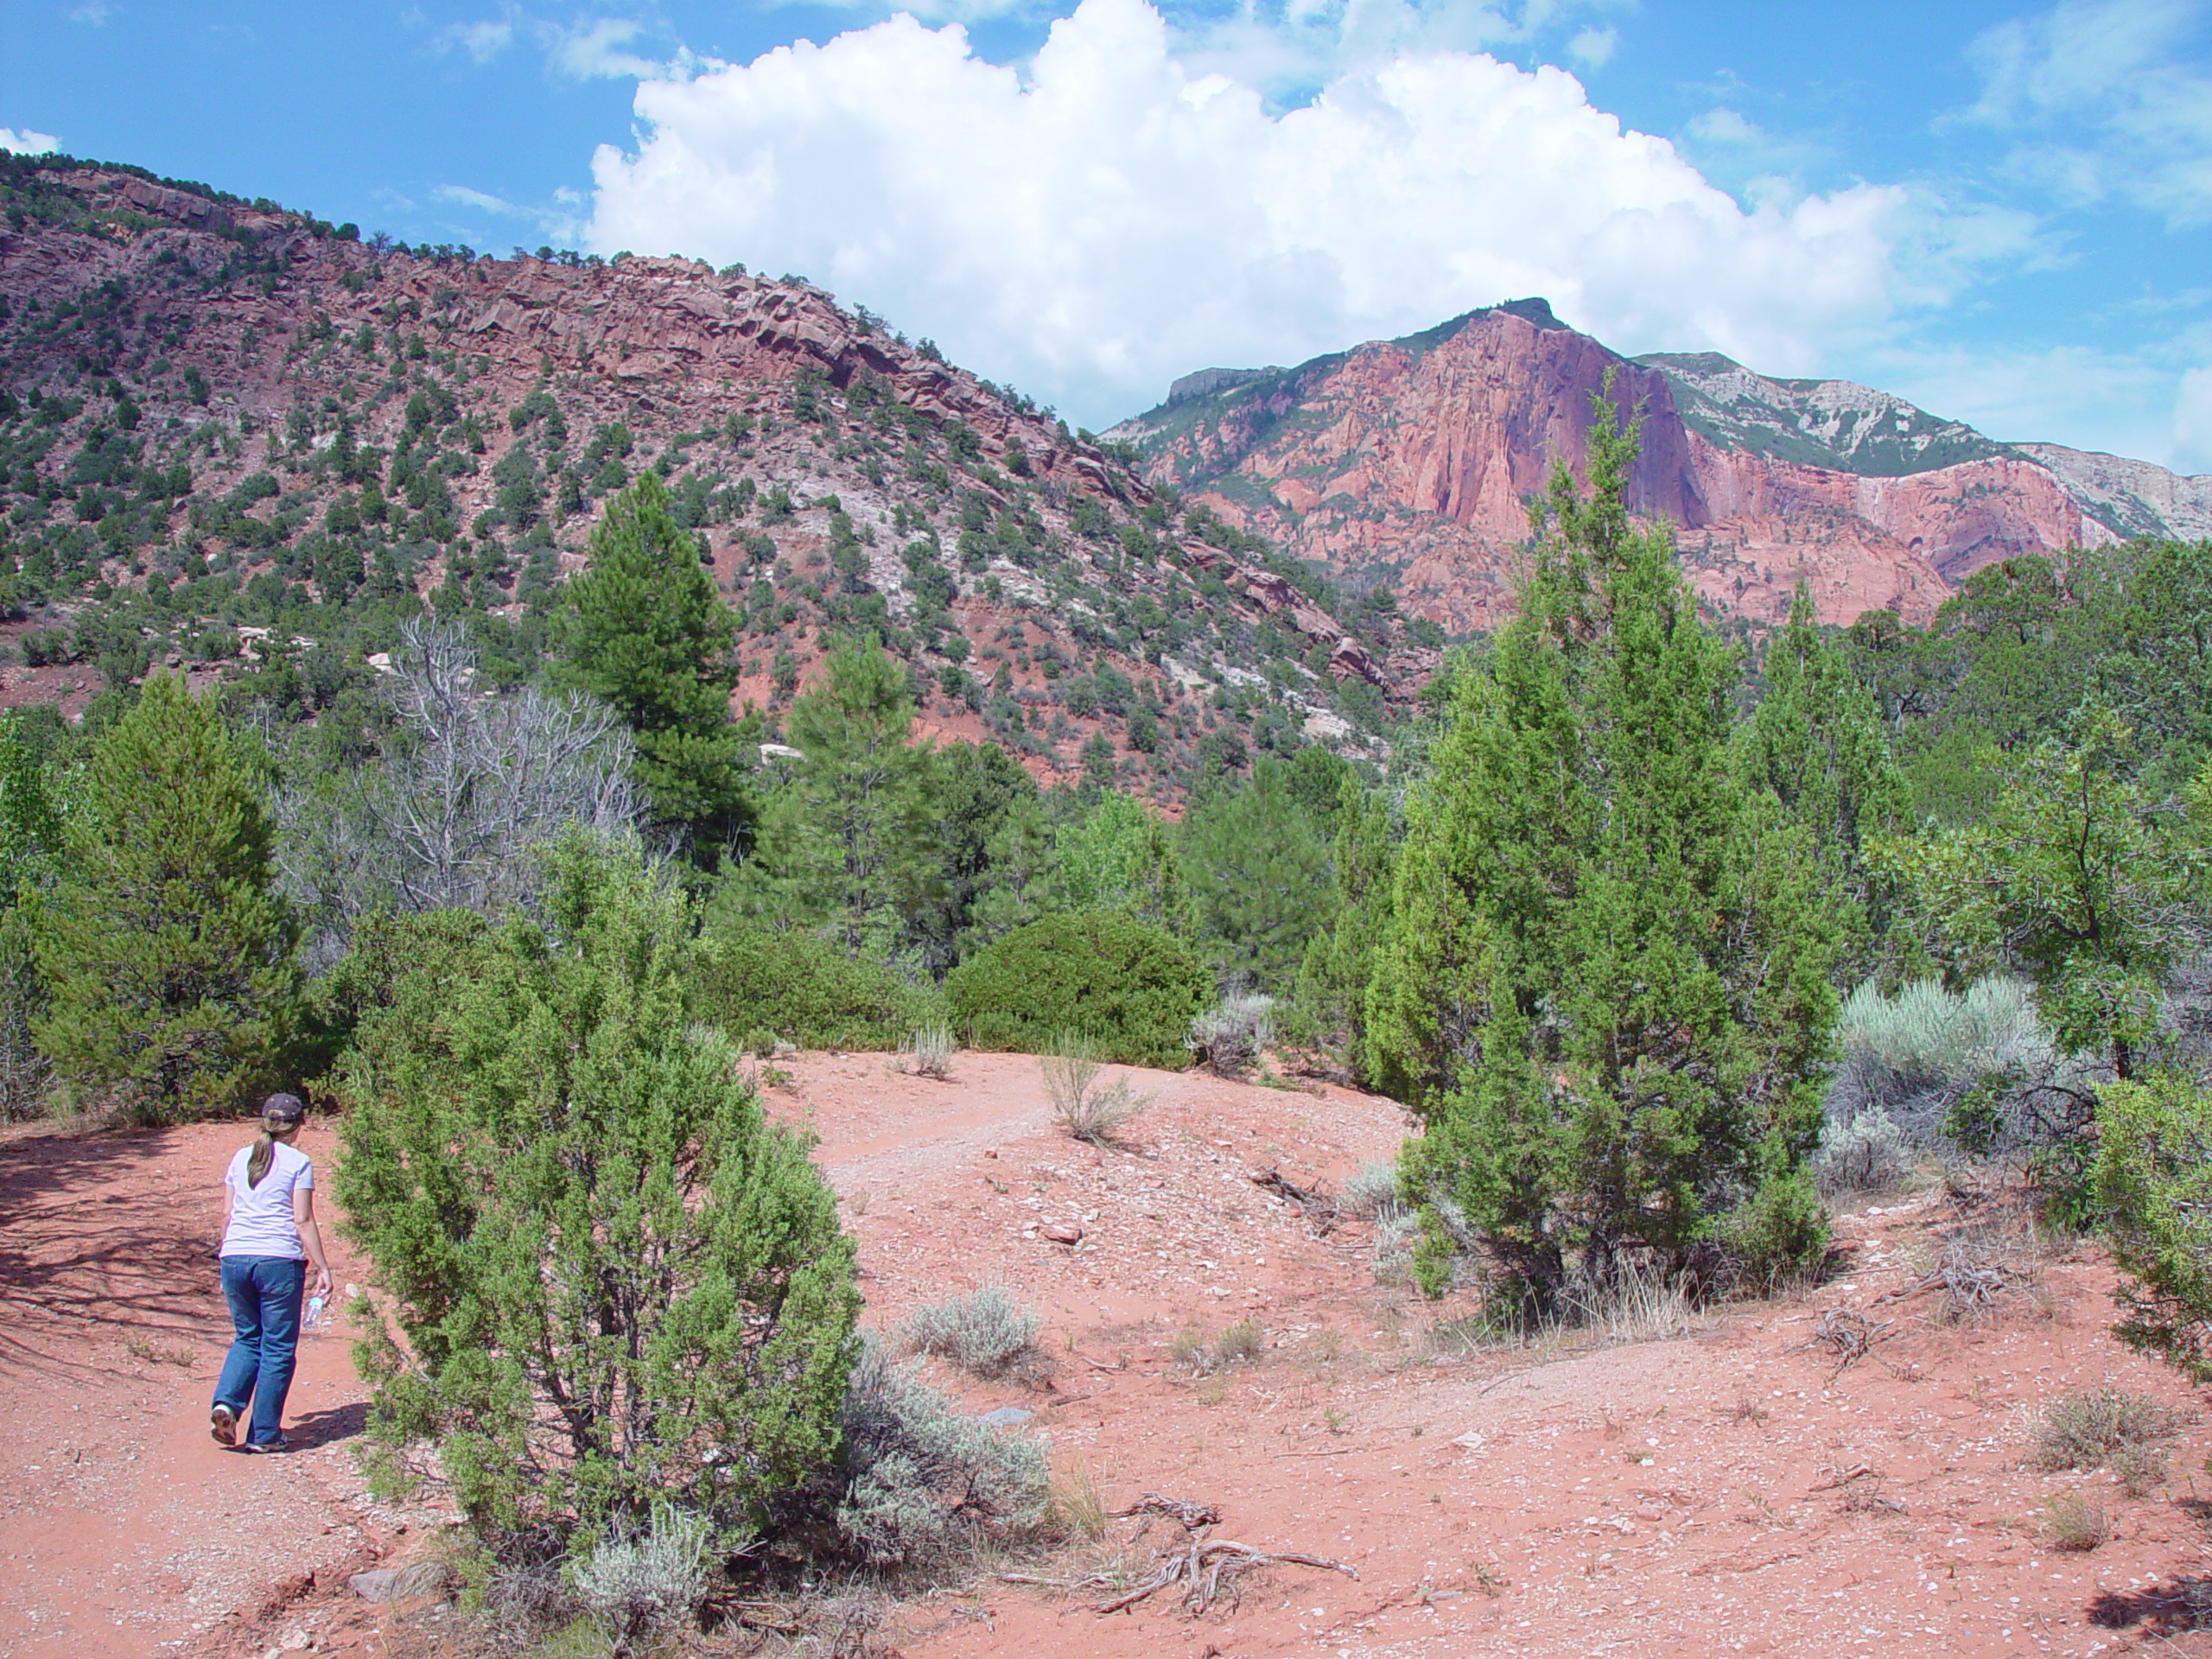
313 1321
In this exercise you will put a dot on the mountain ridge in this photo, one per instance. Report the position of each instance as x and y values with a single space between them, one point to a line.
1410 461
224 426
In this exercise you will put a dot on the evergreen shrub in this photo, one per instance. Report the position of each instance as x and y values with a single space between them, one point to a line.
805 989
618 1285
2153 1183
1132 990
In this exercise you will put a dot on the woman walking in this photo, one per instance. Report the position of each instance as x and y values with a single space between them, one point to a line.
268 1238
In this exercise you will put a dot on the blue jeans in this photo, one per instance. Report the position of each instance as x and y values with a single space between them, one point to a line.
265 1292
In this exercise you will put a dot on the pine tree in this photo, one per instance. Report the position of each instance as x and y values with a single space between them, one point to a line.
1257 865
1331 1005
1603 983
620 1285
643 629
849 839
166 956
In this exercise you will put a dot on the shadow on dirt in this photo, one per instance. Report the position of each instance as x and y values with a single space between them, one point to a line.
307 1430
88 1240
2160 1610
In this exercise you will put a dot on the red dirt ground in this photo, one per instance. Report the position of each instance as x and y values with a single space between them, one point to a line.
1724 1491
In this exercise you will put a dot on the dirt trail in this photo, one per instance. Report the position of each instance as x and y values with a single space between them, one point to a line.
1727 1490
125 1531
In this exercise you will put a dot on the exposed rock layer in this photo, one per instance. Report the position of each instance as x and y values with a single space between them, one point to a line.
1412 462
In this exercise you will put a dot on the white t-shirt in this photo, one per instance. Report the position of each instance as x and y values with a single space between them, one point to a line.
261 1217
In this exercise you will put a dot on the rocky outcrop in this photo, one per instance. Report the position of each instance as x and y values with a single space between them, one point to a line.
1412 462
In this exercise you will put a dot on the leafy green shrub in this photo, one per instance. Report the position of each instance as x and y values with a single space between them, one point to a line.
1131 989
619 1285
2153 1181
805 989
924 1481
986 1333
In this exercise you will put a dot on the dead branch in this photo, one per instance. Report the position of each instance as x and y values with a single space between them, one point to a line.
1312 1203
1846 1334
1186 1515
1205 1567
1201 1569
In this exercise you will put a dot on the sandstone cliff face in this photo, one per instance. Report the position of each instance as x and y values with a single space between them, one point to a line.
1410 462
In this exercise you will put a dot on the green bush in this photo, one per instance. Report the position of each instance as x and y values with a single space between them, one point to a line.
805 989
619 1285
1131 989
2154 1179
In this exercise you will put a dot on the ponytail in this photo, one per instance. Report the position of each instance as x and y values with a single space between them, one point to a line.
279 1114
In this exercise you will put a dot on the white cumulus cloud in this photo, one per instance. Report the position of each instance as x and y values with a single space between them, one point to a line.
1108 216
27 143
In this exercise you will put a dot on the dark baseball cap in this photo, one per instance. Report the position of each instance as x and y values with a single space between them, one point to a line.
283 1109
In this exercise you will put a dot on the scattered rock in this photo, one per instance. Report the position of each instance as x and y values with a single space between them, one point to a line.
1062 1232
400 1583
1006 1417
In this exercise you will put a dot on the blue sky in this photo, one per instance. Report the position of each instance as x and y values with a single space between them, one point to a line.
2000 211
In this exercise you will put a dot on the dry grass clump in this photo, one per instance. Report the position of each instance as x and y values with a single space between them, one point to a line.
986 1333
2072 1521
1241 1342
2088 1428
1077 1507
927 1053
1083 1103
2141 1470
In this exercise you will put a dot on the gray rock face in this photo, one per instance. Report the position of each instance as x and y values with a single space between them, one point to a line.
400 1583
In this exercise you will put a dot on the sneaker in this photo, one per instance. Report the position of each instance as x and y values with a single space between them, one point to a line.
280 1444
223 1424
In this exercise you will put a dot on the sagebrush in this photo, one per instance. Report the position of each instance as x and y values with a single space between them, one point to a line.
985 1332
923 1480
1084 1103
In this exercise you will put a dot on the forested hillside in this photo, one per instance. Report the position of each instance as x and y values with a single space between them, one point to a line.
238 440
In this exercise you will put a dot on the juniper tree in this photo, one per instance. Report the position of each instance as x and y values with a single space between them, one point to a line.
1257 864
1604 981
618 1283
1815 743
165 954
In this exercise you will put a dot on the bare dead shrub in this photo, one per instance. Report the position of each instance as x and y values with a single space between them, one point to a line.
447 818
